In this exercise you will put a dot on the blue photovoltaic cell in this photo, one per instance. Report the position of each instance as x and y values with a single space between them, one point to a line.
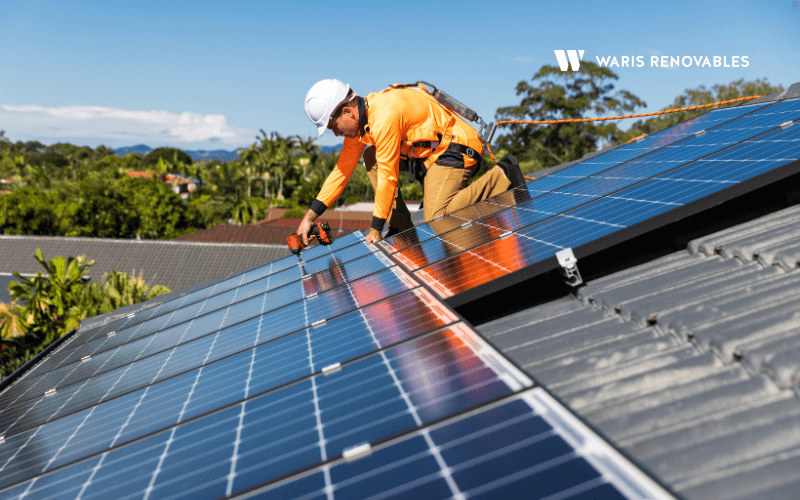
635 149
65 360
505 451
581 170
268 436
125 379
619 210
599 185
250 372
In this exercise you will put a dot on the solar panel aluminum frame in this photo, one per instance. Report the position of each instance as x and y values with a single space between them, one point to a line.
605 242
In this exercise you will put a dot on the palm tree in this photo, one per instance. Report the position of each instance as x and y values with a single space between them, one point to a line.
279 157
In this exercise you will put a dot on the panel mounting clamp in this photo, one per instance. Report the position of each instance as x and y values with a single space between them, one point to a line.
332 368
356 452
569 267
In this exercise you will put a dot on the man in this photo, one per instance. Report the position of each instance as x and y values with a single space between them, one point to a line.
402 123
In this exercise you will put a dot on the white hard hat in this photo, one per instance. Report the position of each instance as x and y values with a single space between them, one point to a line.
322 98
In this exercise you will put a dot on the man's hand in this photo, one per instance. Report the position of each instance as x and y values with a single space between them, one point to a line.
373 236
305 226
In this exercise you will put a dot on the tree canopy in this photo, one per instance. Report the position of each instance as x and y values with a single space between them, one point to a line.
556 95
172 155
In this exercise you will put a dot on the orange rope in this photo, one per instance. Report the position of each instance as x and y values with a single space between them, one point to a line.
580 120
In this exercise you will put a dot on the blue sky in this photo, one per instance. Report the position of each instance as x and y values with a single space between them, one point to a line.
209 75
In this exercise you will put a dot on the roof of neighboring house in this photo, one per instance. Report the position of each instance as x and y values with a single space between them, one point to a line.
168 178
174 264
689 363
272 232
329 215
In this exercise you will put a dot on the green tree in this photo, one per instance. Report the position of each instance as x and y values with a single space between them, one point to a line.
52 302
557 95
12 321
56 301
12 326
118 290
249 210
697 97
280 159
99 209
173 155
159 211
29 211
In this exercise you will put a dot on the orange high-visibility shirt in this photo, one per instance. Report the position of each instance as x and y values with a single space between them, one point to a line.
396 118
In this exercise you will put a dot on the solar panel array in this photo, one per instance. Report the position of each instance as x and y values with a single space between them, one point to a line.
275 379
343 376
600 196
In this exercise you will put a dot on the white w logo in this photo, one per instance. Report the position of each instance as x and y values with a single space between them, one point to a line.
575 58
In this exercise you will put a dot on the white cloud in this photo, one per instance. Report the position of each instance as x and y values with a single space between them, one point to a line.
116 127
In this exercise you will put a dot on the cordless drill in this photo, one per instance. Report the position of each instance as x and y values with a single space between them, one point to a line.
319 229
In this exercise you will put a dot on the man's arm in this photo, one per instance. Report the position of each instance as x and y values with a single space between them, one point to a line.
334 184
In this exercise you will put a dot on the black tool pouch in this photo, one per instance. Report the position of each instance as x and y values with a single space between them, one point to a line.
416 170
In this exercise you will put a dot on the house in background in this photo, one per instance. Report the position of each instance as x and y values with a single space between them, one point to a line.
181 184
274 229
174 264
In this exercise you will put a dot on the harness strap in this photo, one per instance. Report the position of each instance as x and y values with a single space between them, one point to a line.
452 157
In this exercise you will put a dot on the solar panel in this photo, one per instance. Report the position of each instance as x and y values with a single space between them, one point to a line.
608 202
525 446
370 398
171 360
273 275
572 174
342 264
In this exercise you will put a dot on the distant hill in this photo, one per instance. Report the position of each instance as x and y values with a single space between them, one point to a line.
218 154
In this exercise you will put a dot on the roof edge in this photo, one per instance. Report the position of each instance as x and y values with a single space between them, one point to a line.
132 241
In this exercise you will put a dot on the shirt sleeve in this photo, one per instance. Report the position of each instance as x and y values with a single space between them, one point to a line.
387 135
337 179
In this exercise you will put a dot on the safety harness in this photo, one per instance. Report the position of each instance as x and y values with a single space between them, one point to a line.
453 156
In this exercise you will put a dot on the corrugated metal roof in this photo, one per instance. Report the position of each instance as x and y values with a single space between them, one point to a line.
176 265
689 363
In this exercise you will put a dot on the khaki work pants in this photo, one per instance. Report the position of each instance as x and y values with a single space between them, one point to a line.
399 216
444 190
